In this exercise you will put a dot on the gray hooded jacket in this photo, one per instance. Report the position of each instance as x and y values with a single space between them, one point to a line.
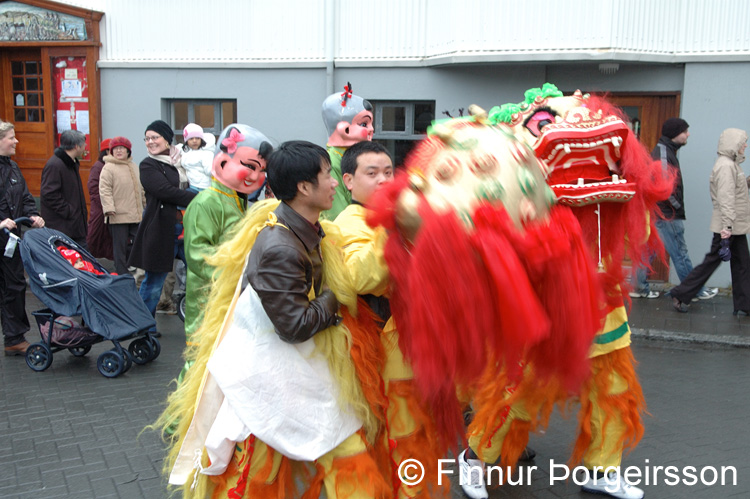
729 192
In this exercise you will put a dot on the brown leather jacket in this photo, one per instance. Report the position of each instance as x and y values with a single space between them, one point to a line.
284 265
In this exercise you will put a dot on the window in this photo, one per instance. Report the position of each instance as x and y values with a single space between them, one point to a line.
28 96
212 115
400 124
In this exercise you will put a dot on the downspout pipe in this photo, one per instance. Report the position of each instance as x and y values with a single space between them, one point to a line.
330 49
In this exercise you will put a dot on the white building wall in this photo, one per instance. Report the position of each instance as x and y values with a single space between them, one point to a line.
270 56
420 32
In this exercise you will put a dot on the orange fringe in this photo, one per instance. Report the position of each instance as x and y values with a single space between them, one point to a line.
514 443
629 405
257 486
313 492
354 474
422 444
498 392
368 355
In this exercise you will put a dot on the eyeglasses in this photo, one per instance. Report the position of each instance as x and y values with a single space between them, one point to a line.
151 139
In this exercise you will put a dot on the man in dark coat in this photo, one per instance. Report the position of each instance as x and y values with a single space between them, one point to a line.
62 199
674 135
15 202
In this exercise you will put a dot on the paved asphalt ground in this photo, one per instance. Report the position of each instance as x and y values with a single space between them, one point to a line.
70 432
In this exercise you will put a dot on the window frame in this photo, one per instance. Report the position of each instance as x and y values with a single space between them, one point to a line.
192 103
409 117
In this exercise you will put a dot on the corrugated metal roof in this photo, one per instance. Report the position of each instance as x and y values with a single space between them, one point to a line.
418 32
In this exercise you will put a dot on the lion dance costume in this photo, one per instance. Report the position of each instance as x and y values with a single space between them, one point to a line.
598 167
488 271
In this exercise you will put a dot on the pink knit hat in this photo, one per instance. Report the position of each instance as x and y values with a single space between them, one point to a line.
192 131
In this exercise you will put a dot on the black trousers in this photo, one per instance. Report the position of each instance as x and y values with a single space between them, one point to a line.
740 264
122 242
15 322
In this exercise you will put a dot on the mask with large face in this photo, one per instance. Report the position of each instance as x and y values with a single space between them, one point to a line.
240 158
581 146
348 118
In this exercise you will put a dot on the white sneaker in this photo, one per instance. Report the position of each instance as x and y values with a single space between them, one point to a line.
472 477
706 294
613 485
644 294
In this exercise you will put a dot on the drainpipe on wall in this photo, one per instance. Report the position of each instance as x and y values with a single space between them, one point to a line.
330 46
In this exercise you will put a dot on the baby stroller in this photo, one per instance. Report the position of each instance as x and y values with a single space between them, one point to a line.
109 305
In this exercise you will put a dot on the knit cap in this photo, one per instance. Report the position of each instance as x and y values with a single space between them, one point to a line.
163 129
120 141
673 127
192 131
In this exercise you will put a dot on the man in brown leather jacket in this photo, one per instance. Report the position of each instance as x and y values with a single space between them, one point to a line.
286 261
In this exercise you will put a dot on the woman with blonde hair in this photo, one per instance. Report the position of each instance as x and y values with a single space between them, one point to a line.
15 202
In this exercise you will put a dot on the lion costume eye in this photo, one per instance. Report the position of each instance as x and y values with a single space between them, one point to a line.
540 119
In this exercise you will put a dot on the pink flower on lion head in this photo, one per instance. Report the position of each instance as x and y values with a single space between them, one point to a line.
230 142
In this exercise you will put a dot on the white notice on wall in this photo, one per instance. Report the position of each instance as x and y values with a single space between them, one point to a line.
82 122
71 74
63 121
71 88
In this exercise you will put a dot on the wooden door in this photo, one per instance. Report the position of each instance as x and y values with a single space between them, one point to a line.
647 113
27 104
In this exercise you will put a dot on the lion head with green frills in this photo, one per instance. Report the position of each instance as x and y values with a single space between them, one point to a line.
578 137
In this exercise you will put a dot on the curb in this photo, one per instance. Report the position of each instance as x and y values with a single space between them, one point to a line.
695 339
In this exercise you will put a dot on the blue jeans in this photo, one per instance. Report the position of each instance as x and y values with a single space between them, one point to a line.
672 234
150 290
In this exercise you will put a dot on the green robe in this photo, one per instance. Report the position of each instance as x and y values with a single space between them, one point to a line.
343 197
208 219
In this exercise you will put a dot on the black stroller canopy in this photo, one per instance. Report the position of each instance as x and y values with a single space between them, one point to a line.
109 304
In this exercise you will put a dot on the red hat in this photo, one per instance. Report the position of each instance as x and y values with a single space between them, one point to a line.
105 145
120 141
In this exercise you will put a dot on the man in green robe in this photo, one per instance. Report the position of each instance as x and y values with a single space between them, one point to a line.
238 174
348 119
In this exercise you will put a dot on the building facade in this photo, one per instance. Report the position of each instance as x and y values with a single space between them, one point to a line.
270 64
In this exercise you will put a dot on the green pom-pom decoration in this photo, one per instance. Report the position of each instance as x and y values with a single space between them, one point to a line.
504 113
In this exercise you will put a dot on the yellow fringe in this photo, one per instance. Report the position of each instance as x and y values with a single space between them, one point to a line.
630 404
228 261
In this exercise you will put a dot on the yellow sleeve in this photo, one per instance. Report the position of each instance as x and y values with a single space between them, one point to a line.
363 253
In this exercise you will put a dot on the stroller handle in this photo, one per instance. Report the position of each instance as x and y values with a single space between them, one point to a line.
20 221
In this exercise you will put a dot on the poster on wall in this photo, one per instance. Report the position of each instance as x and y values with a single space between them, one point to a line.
71 92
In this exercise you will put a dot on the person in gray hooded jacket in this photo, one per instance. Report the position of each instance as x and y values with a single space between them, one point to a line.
730 222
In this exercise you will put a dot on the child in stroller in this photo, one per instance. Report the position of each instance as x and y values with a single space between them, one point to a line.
71 282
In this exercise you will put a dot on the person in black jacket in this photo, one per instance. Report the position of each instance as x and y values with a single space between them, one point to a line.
62 198
674 135
15 202
156 243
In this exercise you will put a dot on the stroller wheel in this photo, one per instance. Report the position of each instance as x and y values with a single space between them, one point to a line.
181 308
111 363
141 351
155 346
128 361
38 357
80 351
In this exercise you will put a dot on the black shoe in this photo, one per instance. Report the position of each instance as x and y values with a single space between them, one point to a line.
679 306
528 454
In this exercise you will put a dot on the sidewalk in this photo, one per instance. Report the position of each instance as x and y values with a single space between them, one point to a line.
709 322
